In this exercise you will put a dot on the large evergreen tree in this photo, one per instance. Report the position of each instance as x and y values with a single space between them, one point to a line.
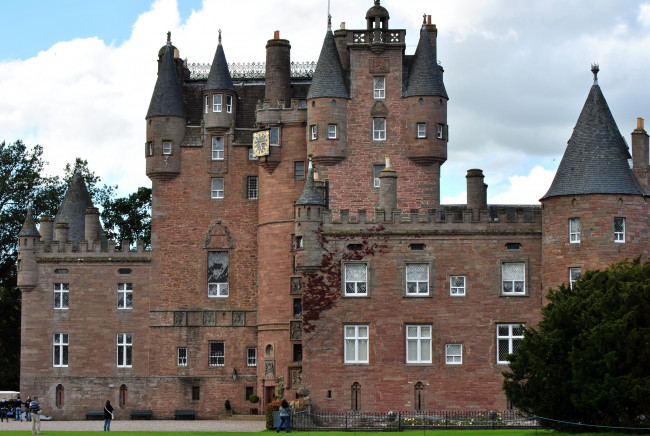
588 361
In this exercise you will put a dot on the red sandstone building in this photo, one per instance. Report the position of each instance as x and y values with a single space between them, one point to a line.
349 280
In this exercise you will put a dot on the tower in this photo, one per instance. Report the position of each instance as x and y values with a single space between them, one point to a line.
28 238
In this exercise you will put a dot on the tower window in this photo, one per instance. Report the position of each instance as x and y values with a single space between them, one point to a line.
252 191
218 148
217 190
574 274
441 130
182 356
229 104
167 147
217 353
313 132
376 171
299 170
574 230
422 130
124 349
379 83
274 136
217 274
217 101
379 129
60 349
331 131
207 104
619 230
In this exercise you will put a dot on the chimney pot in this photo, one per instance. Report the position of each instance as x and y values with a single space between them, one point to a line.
428 19
639 123
276 34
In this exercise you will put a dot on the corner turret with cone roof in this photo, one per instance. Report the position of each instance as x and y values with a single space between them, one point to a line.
166 119
308 216
28 238
219 94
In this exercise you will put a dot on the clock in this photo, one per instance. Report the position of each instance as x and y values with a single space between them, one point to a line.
261 143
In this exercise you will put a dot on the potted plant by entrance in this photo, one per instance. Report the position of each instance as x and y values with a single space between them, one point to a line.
254 399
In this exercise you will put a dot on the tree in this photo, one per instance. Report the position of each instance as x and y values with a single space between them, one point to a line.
128 217
587 361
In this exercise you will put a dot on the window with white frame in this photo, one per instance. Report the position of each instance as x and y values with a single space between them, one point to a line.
229 104
457 286
251 356
379 84
331 131
574 274
218 148
60 349
574 230
441 131
167 147
217 353
217 101
417 279
251 154
313 132
513 278
356 275
619 229
509 336
207 104
124 349
125 295
149 148
356 344
182 356
376 171
217 274
418 344
274 136
453 354
422 130
252 190
379 129
217 190
61 295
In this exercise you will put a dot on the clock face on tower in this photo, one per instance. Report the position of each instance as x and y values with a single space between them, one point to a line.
261 143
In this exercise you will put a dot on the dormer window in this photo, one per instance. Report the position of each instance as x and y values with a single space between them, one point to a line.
229 104
217 101
380 86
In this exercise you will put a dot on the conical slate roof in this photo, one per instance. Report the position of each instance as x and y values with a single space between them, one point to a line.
29 227
310 194
328 79
595 160
219 77
73 210
425 77
166 99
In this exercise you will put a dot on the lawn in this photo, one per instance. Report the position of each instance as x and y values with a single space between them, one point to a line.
327 433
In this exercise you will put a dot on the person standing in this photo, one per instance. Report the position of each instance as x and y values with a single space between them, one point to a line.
34 409
108 415
18 411
285 411
28 414
4 408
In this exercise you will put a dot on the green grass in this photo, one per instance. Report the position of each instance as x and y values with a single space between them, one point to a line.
325 433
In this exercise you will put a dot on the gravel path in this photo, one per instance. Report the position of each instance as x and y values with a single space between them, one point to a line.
140 425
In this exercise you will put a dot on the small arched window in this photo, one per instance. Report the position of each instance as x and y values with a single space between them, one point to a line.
123 392
59 396
419 396
356 396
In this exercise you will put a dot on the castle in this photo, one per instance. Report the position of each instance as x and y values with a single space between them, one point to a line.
299 244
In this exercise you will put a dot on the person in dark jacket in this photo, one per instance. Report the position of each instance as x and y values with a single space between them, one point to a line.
18 409
285 412
108 415
4 408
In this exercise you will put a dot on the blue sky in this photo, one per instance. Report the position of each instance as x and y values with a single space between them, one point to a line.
76 76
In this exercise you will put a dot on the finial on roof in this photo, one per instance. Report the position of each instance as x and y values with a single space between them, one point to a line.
424 18
169 37
77 170
377 3
329 22
219 36
309 165
595 69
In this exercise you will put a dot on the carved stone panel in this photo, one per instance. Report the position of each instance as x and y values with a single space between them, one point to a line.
379 64
269 369
295 377
296 285
296 330
179 318
239 318
209 319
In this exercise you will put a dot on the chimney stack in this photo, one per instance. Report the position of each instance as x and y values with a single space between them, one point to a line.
388 188
640 164
278 71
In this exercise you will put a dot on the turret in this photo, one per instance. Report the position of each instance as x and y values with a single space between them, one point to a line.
388 189
28 238
219 94
47 229
278 72
640 161
308 218
92 226
166 120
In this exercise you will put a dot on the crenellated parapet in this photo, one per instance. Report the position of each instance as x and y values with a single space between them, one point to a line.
96 251
268 112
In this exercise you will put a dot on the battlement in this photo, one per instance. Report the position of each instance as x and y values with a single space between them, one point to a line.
96 252
296 113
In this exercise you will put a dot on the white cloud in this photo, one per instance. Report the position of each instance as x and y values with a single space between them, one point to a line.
525 189
644 15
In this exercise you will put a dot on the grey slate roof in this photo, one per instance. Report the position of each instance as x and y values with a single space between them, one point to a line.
310 194
425 76
595 160
166 99
219 77
328 79
29 227
73 210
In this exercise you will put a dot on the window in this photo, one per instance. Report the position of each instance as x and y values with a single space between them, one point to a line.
125 296
376 171
297 352
453 354
251 356
356 344
574 274
123 395
167 147
217 274
217 148
509 337
61 295
274 136
619 229
379 83
299 170
251 188
196 393
182 356
217 353
574 230
417 279
441 129
249 391
418 344
60 349
229 104
457 286
355 279
207 104
513 278
149 148
124 349
419 395
217 187
216 102
331 131
422 130
379 129
251 154
297 307
59 395
355 394
313 132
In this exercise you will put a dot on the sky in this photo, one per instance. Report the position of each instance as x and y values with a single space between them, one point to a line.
76 76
